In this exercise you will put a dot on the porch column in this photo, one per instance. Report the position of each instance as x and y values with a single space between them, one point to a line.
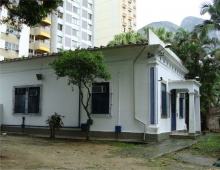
197 113
192 126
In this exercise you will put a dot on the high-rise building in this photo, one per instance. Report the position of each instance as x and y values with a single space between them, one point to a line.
113 17
70 27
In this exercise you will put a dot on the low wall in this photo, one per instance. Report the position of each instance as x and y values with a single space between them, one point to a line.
77 133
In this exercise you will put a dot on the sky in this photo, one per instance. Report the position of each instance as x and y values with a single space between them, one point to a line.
167 10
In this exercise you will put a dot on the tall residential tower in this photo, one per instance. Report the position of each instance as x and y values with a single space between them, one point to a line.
113 17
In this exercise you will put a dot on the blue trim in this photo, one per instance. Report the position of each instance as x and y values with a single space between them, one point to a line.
152 95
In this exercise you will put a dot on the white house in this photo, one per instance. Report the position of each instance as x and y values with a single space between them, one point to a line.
145 99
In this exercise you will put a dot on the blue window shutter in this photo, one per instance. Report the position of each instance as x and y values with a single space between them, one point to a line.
152 96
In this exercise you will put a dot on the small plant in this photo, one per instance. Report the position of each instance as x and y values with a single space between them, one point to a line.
55 123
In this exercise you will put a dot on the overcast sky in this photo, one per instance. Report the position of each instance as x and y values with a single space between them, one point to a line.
167 10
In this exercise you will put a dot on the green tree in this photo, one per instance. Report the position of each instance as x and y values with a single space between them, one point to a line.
82 68
213 9
126 38
29 12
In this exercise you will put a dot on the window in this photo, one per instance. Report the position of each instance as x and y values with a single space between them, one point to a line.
68 6
90 27
27 99
163 100
90 6
10 46
89 16
84 35
60 15
89 38
59 39
85 3
100 98
75 10
75 21
123 29
75 44
182 105
123 19
60 27
84 24
75 32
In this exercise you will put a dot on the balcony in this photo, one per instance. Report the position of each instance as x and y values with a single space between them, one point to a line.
40 47
124 5
46 21
129 9
134 14
40 33
129 17
129 1
124 14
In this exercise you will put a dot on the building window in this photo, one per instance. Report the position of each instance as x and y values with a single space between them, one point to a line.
75 21
100 98
123 19
89 16
75 10
60 27
59 39
75 44
152 96
89 38
27 99
85 3
90 27
84 24
182 105
75 32
123 29
60 15
10 46
163 100
90 6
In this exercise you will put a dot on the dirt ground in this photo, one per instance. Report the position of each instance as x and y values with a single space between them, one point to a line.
20 152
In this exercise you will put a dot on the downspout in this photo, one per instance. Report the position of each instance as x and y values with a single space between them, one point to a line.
134 92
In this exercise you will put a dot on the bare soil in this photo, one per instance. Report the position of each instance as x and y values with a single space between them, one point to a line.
20 152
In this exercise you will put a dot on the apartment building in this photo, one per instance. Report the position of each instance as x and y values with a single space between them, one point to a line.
111 18
70 27
13 43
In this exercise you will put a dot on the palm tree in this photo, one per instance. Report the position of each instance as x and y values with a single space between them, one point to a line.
214 22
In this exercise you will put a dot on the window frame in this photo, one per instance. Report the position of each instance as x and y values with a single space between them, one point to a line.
27 99
106 84
164 110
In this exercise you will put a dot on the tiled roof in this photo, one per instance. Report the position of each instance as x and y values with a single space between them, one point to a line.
55 54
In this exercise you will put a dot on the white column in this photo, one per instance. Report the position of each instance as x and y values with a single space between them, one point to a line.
192 126
197 113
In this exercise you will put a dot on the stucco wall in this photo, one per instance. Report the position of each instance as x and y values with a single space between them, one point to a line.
56 95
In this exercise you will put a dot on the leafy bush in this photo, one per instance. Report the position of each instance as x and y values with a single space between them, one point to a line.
55 123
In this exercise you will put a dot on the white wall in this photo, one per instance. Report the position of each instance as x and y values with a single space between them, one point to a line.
56 95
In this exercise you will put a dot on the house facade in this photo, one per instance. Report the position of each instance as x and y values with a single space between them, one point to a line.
144 99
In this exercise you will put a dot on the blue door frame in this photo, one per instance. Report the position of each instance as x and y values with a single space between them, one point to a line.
173 110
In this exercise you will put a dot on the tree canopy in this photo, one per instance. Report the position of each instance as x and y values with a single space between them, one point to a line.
126 38
82 68
29 12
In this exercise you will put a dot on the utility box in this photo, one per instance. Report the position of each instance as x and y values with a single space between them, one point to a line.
118 129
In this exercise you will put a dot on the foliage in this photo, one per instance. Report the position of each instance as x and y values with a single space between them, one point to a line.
29 12
82 68
126 38
213 9
55 123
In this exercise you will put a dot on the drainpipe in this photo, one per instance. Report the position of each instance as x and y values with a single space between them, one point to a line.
134 92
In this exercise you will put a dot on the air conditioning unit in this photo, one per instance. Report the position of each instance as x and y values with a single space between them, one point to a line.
98 89
6 48
17 51
18 35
